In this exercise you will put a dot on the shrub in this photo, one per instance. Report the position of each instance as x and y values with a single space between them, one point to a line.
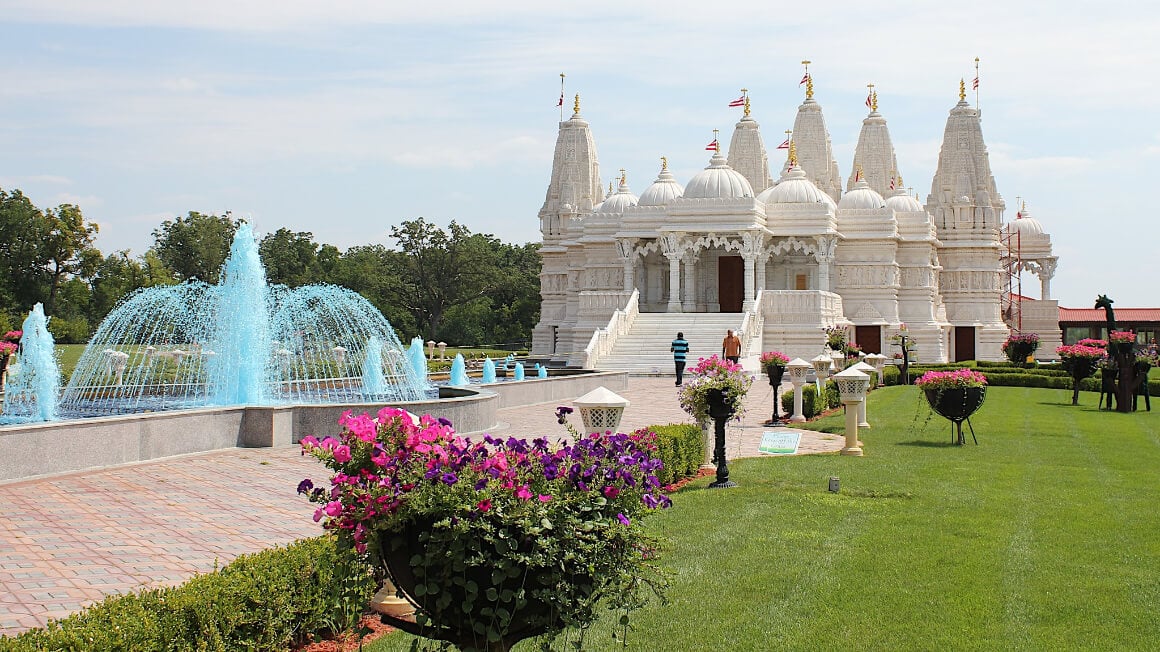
682 450
891 375
811 406
833 398
268 600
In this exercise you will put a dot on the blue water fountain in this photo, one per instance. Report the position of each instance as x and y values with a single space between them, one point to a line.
459 372
33 393
417 361
488 371
240 342
541 371
374 383
519 371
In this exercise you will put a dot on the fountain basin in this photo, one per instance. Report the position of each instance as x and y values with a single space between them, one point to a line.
44 448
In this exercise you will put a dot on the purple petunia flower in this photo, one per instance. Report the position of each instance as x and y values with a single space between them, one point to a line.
623 519
445 421
450 479
305 486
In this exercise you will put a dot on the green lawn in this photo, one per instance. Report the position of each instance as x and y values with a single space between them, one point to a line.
1045 536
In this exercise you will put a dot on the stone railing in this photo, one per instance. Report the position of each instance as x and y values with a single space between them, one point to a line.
752 325
806 307
603 339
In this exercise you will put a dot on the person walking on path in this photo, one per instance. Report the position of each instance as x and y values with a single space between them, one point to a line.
679 348
731 347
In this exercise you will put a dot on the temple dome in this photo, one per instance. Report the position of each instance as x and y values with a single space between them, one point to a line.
718 181
900 202
620 200
795 188
861 197
662 191
1024 224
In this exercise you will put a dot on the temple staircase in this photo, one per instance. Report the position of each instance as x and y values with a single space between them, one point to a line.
645 348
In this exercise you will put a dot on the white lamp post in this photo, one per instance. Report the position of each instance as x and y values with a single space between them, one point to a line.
852 385
866 369
442 350
879 362
601 410
430 349
822 365
339 354
798 369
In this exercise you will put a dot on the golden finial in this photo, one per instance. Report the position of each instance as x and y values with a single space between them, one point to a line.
810 88
664 163
962 90
746 105
623 177
1023 209
793 154
610 187
874 101
900 184
716 141
576 105
858 172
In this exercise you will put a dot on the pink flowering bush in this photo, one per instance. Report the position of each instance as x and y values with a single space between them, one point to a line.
714 373
1087 341
497 512
1020 345
773 360
1122 337
1080 361
958 378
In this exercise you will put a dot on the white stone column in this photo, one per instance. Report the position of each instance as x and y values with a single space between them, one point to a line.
827 245
747 305
762 264
673 247
626 249
690 289
1046 272
674 283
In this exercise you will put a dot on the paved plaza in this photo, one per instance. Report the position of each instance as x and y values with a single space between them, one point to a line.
67 541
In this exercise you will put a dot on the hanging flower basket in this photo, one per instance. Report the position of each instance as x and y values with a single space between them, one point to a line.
956 403
720 407
954 395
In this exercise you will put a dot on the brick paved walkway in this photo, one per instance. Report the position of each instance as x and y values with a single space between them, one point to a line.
70 540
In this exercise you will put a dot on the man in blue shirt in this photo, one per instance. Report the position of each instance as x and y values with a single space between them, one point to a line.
679 348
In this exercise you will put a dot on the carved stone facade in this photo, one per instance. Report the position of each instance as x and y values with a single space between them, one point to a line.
796 253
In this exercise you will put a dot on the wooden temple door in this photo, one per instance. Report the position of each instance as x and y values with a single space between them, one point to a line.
964 343
730 283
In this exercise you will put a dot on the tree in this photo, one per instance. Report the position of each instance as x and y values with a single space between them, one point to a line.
368 270
440 269
291 259
23 275
67 249
195 246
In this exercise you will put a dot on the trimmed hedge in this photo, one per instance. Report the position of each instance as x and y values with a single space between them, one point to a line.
682 450
1006 374
811 405
268 600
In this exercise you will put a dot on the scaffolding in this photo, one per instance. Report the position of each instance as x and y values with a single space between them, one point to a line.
1012 299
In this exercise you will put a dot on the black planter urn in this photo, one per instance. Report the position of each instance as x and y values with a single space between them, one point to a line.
956 404
721 410
450 623
775 373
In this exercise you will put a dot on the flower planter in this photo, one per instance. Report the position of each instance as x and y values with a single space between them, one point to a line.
956 404
448 620
719 406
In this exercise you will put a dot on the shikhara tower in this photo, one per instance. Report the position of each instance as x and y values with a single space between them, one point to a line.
778 259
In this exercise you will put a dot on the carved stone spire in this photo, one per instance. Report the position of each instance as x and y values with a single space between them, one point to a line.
575 184
875 155
815 154
747 152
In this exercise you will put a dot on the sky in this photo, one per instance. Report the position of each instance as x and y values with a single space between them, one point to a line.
344 118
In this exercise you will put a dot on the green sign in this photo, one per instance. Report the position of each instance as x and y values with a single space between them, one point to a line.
779 442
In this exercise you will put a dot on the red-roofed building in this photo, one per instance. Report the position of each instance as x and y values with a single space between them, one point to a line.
1078 323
